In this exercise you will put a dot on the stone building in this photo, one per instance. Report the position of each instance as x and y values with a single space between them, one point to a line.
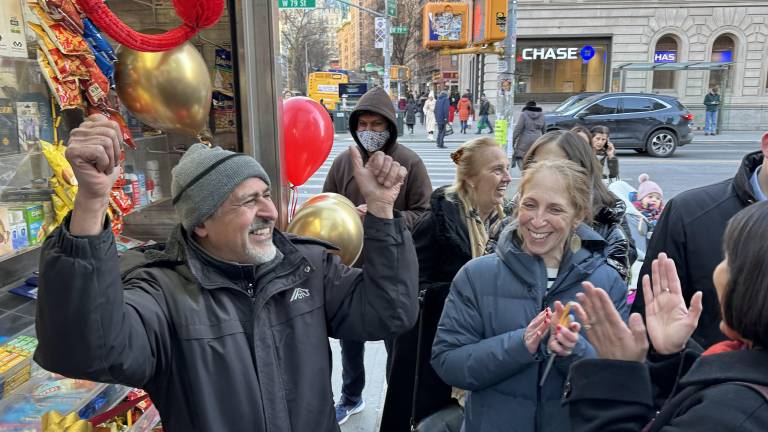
553 34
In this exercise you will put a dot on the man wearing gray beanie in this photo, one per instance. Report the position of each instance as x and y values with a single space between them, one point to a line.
226 326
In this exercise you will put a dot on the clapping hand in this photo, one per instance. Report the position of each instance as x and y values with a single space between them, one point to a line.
608 334
536 330
379 181
670 322
564 333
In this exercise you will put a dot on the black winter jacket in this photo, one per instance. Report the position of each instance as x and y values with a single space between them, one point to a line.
443 247
700 393
611 224
220 346
690 231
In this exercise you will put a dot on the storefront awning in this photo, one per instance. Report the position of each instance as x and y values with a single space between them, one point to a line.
675 66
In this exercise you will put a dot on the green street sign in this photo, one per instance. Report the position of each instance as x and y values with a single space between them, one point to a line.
398 30
296 4
391 8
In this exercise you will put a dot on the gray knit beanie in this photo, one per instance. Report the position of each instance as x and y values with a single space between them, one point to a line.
205 177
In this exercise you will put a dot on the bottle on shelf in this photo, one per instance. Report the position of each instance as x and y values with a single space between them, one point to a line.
153 178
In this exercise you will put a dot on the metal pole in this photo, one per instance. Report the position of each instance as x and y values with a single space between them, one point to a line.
306 65
507 74
387 49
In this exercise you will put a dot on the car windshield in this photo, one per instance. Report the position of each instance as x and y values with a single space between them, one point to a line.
576 107
567 103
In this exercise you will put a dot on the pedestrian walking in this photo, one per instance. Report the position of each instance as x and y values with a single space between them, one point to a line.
422 101
227 323
429 111
712 105
465 110
464 222
677 386
373 126
484 111
410 113
530 126
503 314
442 108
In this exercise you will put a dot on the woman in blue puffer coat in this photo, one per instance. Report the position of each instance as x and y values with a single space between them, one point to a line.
496 330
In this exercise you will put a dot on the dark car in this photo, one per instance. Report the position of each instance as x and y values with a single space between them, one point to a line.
644 122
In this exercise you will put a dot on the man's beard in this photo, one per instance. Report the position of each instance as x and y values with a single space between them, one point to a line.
266 250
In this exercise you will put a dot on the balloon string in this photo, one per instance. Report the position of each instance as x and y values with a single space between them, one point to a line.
293 201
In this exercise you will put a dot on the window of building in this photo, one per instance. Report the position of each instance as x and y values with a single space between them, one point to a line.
561 67
666 52
603 107
723 50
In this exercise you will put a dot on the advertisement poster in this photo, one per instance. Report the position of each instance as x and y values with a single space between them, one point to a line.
13 43
445 26
222 75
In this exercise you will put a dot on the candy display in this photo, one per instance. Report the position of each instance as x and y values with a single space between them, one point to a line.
15 363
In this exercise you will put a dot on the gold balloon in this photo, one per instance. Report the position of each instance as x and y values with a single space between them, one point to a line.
326 196
169 90
332 221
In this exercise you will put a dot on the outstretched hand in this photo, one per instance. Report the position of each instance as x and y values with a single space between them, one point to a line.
379 181
670 322
607 332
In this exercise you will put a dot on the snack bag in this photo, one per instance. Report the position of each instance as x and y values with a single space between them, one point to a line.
65 39
67 92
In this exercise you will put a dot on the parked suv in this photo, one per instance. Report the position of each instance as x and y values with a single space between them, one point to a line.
640 121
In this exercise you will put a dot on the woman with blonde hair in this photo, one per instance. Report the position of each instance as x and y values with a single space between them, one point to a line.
464 222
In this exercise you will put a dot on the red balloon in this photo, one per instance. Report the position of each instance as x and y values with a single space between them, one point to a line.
308 133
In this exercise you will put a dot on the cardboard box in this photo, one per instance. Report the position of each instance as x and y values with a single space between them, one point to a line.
35 217
6 246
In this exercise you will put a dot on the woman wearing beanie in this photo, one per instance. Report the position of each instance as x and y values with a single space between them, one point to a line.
529 127
649 199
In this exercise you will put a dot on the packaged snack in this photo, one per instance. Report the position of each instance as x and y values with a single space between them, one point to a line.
121 202
18 228
103 53
6 247
54 56
115 115
60 209
34 216
67 92
96 85
62 170
65 12
67 41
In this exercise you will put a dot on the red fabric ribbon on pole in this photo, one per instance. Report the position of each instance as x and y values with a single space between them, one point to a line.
196 15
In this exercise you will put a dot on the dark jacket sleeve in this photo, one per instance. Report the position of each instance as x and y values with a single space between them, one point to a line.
87 325
462 356
619 248
418 190
519 127
330 184
668 237
380 301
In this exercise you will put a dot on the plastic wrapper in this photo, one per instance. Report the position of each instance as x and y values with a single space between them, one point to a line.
66 40
63 181
65 12
60 209
120 201
112 114
54 56
67 93
104 55
96 85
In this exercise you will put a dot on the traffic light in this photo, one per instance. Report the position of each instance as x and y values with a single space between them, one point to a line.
399 73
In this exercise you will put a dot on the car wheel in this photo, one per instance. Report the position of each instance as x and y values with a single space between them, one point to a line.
662 143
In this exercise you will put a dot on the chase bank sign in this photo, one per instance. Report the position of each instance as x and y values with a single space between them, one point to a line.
586 53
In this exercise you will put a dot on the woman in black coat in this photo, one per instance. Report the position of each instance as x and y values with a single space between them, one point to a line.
464 222
679 388
410 113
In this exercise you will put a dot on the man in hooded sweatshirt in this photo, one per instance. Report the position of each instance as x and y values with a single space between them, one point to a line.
373 127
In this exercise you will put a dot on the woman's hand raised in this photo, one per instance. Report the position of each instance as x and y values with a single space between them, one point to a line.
536 330
670 322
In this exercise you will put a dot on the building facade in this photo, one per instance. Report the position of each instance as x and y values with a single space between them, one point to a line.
566 47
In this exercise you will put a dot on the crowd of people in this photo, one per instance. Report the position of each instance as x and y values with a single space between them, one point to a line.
497 313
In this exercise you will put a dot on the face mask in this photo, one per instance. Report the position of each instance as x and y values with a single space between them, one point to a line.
373 141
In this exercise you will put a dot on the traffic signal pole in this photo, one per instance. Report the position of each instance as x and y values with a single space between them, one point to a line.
387 47
507 64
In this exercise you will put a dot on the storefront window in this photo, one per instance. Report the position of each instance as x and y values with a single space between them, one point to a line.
723 50
666 52
562 66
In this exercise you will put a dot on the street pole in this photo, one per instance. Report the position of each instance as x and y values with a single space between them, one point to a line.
306 64
507 83
387 48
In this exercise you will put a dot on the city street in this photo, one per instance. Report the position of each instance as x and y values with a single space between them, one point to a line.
707 160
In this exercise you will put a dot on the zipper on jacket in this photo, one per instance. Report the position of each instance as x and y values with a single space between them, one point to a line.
250 292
